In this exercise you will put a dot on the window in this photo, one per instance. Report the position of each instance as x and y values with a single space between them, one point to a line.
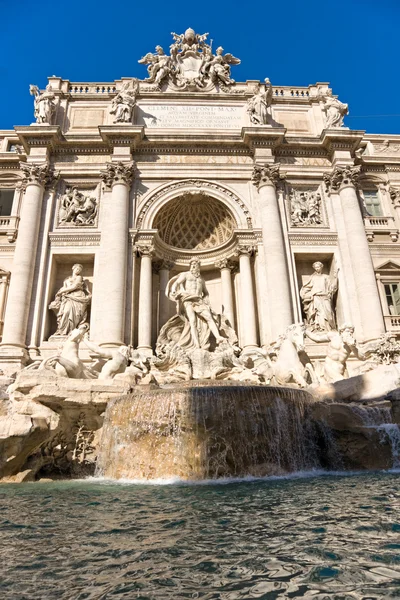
392 291
373 204
6 202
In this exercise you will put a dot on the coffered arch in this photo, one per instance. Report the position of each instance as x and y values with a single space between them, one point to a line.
158 198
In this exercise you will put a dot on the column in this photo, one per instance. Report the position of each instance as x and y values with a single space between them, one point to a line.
35 178
164 302
248 325
227 294
279 297
145 300
109 293
3 296
343 180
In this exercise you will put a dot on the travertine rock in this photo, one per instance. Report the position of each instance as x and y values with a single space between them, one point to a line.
52 422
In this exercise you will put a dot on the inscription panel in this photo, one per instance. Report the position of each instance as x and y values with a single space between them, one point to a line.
193 116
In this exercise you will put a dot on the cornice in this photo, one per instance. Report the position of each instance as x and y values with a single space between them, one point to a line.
74 239
47 136
313 239
122 135
341 139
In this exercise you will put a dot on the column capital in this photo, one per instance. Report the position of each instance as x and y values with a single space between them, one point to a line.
245 250
341 177
37 174
118 173
224 263
266 175
147 250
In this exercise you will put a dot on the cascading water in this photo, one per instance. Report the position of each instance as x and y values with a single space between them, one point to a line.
212 431
379 418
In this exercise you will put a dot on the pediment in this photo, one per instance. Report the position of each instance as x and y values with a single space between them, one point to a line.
389 265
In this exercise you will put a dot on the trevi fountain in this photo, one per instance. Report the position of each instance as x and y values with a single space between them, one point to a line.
199 283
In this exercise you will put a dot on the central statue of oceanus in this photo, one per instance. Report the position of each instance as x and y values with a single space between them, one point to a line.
194 317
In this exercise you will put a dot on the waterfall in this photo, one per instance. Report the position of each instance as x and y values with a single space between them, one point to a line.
200 431
379 418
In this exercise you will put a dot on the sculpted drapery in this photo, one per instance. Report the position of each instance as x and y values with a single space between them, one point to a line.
71 302
317 295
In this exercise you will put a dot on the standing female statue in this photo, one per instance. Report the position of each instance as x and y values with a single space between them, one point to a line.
71 302
317 296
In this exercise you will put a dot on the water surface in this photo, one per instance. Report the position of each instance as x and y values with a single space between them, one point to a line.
316 537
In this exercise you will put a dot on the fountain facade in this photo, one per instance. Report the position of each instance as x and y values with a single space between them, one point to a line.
179 229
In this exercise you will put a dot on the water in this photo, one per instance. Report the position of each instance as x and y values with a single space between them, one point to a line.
318 537
209 431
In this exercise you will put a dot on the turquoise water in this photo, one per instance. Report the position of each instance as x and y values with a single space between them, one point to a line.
313 537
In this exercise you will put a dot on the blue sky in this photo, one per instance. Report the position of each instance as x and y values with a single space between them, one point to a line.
354 45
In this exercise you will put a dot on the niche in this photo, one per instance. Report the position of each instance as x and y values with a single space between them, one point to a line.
61 269
304 270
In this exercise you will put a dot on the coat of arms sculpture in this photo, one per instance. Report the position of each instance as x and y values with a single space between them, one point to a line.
191 64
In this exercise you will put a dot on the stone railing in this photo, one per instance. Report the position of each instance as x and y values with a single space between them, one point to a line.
82 88
98 88
9 227
392 323
375 225
291 92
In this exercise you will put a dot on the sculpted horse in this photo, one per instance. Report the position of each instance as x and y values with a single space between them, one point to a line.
288 366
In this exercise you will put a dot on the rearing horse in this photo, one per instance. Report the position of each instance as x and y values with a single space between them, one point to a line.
288 367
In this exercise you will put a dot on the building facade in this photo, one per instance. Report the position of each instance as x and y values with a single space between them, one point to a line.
118 185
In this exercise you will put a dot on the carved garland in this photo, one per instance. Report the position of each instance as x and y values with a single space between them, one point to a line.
200 185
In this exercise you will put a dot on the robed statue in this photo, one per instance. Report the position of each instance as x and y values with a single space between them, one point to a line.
71 302
195 325
317 295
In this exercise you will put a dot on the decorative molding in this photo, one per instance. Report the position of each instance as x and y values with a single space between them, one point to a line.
266 175
192 150
247 250
224 263
193 185
118 173
180 257
145 250
75 239
313 239
341 177
38 174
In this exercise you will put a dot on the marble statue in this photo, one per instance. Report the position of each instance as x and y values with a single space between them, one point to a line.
123 103
341 344
159 65
317 297
67 363
117 359
189 292
258 105
44 106
71 302
305 208
77 208
191 64
220 70
335 110
288 360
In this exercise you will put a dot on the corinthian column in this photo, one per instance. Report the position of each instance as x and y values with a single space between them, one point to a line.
109 293
35 178
248 322
343 180
227 295
145 299
279 301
